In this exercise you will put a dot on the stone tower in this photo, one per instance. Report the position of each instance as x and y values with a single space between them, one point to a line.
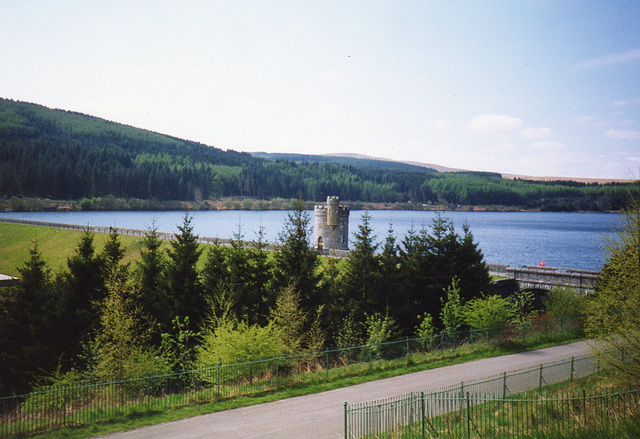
331 230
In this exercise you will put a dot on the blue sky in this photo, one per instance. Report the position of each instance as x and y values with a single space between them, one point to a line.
529 87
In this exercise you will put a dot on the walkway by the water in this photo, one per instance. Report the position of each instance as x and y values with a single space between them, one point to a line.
321 415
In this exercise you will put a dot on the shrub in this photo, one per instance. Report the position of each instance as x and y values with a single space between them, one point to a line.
489 312
233 342
563 302
425 330
379 329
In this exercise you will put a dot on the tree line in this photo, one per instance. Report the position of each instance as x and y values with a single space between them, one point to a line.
181 304
70 156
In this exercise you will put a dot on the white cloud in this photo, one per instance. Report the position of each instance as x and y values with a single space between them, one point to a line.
547 146
604 61
535 133
623 134
494 124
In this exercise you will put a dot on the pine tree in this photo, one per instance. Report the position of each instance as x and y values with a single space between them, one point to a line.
289 320
248 271
215 274
28 343
470 268
150 271
113 251
362 273
82 290
296 261
121 346
182 278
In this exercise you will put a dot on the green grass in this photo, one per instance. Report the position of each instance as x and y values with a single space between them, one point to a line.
56 245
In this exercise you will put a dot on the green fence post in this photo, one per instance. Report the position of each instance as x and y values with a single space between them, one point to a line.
422 419
219 383
584 406
277 370
346 426
504 385
407 349
326 361
540 381
571 377
468 417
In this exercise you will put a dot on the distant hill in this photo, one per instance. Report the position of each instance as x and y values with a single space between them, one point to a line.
346 159
46 153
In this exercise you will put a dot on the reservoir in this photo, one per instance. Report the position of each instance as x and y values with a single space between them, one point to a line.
558 239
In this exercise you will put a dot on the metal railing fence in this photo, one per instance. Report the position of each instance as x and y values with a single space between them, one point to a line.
474 415
87 402
385 417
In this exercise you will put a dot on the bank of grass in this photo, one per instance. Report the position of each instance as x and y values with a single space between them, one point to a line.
346 376
56 245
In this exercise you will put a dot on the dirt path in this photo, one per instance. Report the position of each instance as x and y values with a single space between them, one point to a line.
322 416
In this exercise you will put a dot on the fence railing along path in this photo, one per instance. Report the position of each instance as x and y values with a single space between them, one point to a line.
478 415
87 402
509 405
419 411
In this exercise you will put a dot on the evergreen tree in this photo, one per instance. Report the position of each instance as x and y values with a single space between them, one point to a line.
262 267
470 269
296 261
121 346
289 320
215 274
182 277
452 315
390 278
28 346
150 270
113 251
362 273
82 290
414 296
249 271
443 254
430 261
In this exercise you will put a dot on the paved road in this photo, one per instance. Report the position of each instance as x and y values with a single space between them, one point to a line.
322 415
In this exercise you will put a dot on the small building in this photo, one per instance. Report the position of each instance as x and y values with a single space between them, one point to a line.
331 229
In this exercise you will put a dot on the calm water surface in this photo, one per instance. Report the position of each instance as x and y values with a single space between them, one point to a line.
571 240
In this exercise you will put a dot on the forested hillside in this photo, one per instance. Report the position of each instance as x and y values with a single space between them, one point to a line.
69 156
